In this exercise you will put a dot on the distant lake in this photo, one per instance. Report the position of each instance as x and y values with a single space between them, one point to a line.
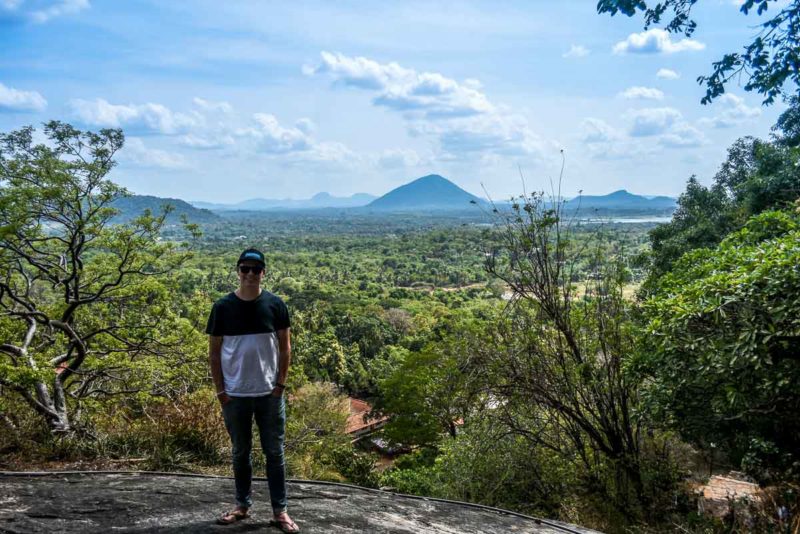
627 220
602 220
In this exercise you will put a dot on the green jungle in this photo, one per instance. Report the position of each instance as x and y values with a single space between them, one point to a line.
516 355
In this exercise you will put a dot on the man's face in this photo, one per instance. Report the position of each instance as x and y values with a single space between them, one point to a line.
252 278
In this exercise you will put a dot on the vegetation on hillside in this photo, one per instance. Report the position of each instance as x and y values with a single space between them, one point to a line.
515 363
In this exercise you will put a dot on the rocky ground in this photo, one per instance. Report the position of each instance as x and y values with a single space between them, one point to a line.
148 502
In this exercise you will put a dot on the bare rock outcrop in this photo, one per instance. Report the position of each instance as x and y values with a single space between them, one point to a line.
167 503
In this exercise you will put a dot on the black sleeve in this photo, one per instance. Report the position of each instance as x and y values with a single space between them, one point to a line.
214 325
282 321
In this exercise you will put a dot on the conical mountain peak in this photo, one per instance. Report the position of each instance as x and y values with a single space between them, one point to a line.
431 192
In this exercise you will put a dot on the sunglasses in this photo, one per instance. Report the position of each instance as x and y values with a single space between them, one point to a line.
245 269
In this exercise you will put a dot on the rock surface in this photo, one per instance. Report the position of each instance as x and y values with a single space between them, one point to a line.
150 502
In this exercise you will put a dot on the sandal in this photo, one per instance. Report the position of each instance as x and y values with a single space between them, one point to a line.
285 523
237 514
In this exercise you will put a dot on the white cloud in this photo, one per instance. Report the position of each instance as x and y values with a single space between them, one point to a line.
652 121
655 41
604 142
682 135
667 74
598 131
136 153
500 134
272 138
458 115
305 125
275 139
576 51
642 93
206 142
326 152
16 100
64 7
399 158
210 105
417 94
149 117
294 145
506 134
734 112
42 13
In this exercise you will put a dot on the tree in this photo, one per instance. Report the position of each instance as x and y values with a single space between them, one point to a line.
315 429
702 219
720 362
756 176
426 395
769 62
84 312
557 375
787 127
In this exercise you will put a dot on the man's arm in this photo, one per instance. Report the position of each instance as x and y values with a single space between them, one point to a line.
215 361
284 360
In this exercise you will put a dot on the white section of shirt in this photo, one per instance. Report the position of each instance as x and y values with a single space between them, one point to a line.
250 364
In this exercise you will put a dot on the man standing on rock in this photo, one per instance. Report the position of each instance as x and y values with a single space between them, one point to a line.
249 353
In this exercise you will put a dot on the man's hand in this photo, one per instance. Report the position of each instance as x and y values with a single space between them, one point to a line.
277 391
223 398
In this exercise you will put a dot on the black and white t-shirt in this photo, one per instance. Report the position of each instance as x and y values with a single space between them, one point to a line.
249 341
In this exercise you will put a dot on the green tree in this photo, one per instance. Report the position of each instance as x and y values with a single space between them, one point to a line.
721 361
425 395
83 313
491 464
770 61
702 219
756 176
787 127
556 375
316 431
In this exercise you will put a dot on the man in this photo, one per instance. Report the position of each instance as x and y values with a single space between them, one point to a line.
249 353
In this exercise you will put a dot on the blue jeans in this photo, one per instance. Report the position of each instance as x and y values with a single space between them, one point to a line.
270 415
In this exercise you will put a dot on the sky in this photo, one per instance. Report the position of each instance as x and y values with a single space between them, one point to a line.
226 101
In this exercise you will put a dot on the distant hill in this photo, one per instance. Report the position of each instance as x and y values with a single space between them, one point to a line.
133 206
621 201
431 192
428 193
320 200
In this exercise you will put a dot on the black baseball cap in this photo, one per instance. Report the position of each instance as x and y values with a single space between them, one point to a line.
252 254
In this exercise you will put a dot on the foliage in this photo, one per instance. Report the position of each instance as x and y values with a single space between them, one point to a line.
523 406
721 360
176 435
427 395
414 474
84 310
556 373
315 432
769 61
787 127
357 467
756 176
491 464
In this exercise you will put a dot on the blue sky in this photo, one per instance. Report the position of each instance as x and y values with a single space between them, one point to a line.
224 101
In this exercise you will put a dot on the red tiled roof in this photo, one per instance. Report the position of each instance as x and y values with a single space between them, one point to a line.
359 422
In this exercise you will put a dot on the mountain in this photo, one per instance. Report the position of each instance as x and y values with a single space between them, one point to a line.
428 192
133 206
621 201
320 200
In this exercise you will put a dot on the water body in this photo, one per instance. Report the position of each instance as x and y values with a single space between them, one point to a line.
627 220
